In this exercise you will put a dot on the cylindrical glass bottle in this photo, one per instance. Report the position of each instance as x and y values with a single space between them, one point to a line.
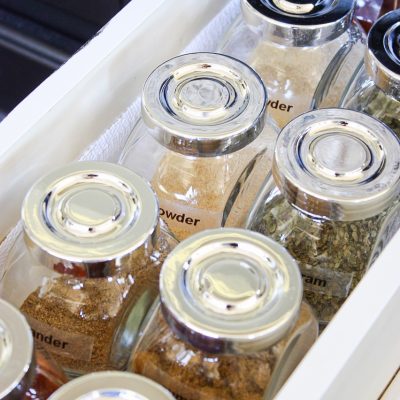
376 88
25 372
305 52
204 133
112 385
89 266
332 200
231 323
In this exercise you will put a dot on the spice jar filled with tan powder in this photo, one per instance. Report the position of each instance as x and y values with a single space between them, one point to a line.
332 200
88 268
231 324
305 51
203 133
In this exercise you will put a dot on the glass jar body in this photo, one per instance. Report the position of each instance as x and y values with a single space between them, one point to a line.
297 78
87 324
190 373
332 255
365 96
193 191
46 378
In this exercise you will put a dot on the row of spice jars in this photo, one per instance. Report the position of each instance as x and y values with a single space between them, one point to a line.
89 274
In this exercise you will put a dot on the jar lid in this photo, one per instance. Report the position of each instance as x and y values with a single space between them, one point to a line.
230 291
299 23
204 104
111 385
338 164
382 60
84 218
16 348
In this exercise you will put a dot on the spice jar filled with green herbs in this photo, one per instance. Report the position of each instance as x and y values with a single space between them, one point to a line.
231 324
87 268
203 135
305 51
332 200
375 90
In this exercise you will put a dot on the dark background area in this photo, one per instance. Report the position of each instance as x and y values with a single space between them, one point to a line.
38 36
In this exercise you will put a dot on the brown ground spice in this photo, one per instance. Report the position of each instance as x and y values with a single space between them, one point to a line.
193 375
94 308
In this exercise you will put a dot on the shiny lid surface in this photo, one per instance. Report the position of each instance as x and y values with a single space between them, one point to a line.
338 164
382 60
16 348
111 385
230 291
88 216
204 104
300 23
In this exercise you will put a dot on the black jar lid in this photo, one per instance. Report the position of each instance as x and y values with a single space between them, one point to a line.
383 56
300 23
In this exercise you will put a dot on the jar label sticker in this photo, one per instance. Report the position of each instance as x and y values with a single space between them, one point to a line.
61 342
327 281
184 220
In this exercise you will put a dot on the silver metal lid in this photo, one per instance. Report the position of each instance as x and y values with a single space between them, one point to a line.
338 164
382 59
111 385
299 23
16 350
84 218
230 291
204 104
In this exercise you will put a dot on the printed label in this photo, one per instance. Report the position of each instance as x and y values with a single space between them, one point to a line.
184 221
66 344
327 281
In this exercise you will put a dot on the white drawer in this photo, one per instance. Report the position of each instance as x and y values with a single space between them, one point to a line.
358 353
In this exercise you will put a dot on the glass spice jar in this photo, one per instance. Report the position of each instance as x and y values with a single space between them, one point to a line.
376 88
203 133
332 200
112 385
231 323
305 52
25 372
88 268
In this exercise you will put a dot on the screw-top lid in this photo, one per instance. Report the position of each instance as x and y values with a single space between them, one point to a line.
16 349
383 57
204 104
338 164
300 23
230 291
84 218
111 385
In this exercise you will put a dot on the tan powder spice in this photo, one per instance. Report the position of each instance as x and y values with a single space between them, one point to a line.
194 375
194 191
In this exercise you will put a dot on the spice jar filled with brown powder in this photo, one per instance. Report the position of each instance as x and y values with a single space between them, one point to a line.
203 133
333 200
26 373
88 268
231 323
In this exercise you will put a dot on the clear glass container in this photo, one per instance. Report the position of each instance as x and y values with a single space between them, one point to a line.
112 385
203 133
231 323
375 90
26 373
305 52
86 269
332 200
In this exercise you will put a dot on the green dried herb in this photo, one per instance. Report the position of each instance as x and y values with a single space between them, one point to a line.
381 106
333 255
